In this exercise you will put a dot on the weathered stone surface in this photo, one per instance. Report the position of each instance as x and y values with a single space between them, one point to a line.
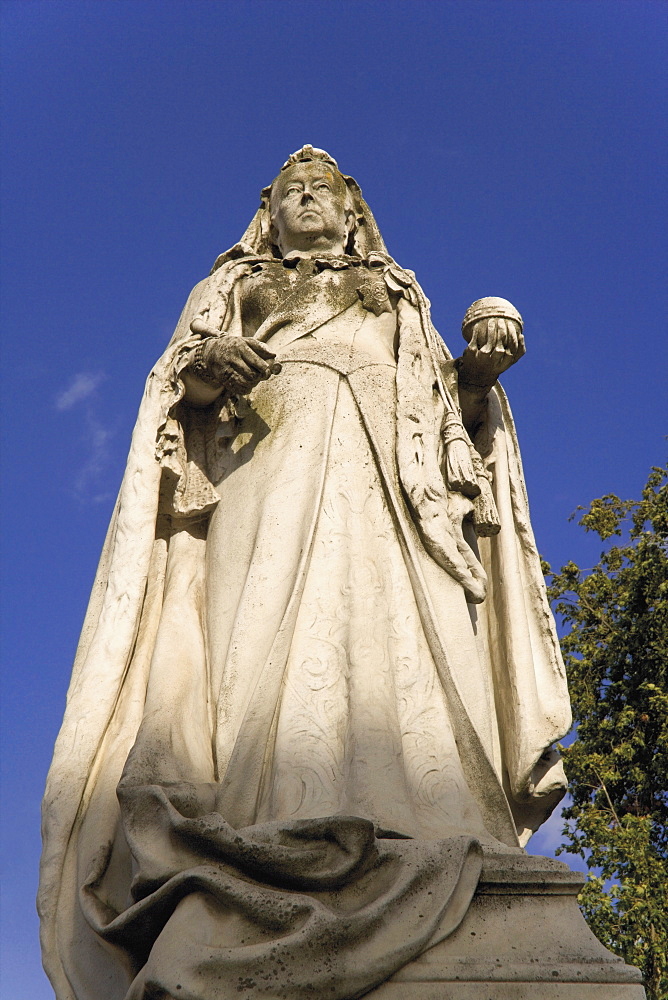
318 673
523 938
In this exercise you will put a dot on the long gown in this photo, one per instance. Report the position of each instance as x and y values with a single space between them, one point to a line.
311 730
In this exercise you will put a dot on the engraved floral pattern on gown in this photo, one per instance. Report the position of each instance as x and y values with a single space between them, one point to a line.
363 728
360 724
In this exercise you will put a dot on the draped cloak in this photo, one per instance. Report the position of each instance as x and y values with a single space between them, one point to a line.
288 732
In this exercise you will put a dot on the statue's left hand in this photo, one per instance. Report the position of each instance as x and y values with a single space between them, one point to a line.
495 345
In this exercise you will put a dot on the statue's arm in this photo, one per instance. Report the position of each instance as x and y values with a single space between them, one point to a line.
224 362
495 345
473 405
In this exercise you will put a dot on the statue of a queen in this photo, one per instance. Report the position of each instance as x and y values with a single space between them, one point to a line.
318 678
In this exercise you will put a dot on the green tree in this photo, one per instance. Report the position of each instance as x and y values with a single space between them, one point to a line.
616 653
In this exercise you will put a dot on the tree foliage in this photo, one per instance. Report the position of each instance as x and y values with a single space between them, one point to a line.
616 653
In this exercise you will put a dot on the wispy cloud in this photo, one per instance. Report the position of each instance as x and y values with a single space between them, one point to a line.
98 438
88 485
81 387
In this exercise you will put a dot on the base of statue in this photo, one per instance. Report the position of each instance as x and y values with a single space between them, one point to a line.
523 938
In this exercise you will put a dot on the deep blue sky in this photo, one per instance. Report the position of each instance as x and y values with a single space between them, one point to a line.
506 148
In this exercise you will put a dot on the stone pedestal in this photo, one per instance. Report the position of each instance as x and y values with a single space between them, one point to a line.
523 938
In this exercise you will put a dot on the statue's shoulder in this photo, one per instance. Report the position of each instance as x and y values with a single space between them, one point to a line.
237 256
228 270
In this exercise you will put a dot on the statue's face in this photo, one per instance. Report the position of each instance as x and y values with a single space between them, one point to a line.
310 209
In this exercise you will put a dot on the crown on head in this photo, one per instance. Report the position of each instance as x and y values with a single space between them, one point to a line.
307 153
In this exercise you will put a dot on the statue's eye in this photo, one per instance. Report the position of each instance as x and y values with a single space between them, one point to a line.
323 187
293 189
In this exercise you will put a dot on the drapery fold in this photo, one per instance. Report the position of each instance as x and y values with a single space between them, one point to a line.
218 910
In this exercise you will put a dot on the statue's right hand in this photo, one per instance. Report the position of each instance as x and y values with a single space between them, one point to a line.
238 363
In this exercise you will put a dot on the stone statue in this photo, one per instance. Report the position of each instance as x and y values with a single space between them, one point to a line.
318 681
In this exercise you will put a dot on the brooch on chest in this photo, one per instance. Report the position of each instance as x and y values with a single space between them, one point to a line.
372 290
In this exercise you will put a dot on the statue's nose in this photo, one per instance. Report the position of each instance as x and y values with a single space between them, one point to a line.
307 196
